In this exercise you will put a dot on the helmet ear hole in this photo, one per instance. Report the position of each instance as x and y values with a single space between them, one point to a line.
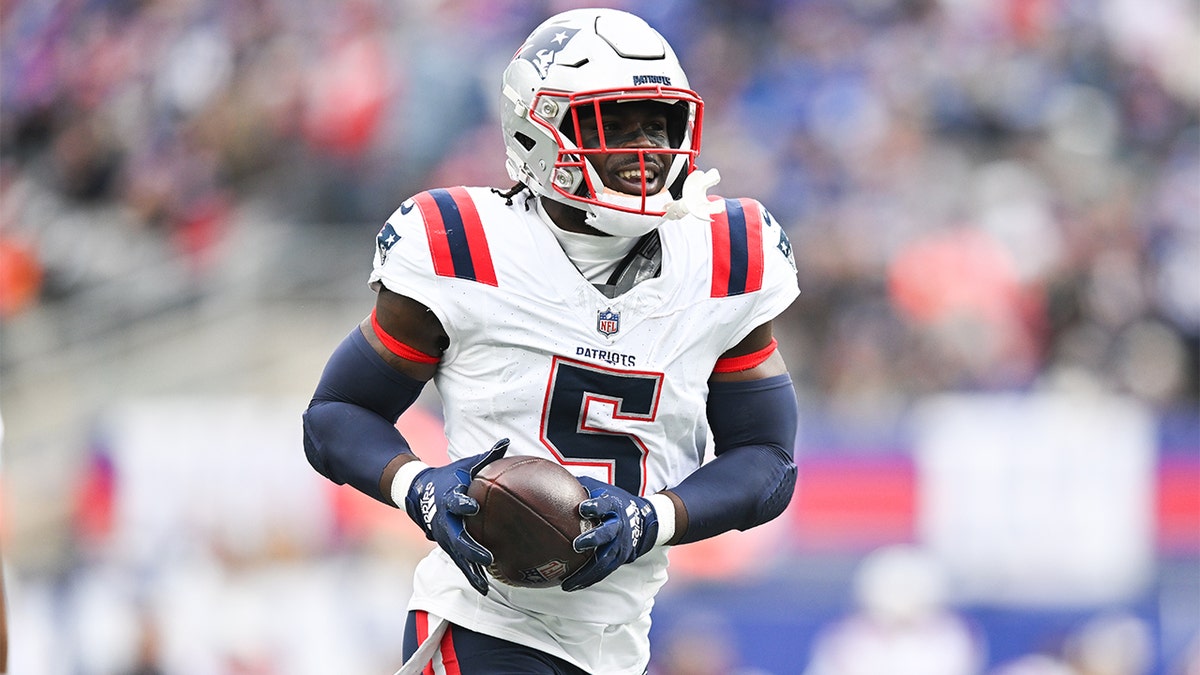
525 141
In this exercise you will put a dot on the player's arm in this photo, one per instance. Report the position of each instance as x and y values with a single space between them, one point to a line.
753 415
404 324
350 433
349 426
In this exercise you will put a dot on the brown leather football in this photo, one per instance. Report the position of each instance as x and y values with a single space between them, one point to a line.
528 517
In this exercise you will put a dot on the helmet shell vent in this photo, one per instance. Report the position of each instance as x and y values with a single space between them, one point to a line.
630 39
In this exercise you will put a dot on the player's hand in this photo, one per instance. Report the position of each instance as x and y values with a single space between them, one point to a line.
628 529
438 502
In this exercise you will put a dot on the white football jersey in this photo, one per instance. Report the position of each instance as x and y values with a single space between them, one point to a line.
614 388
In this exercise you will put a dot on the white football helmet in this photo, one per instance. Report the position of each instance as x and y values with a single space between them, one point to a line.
579 60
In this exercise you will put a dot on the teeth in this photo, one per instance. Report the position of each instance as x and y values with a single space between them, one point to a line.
630 174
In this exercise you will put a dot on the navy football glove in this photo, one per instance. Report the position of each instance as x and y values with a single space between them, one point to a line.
437 500
628 529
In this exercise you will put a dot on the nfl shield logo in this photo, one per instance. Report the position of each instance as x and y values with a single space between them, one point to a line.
608 322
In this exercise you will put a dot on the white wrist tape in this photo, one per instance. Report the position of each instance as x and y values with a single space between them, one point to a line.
403 480
665 508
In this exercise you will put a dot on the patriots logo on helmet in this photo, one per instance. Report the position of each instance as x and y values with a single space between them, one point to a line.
385 240
608 322
544 45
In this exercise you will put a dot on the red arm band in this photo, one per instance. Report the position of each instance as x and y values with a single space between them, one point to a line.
399 348
736 364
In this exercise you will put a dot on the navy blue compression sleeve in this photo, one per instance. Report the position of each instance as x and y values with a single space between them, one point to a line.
752 477
349 427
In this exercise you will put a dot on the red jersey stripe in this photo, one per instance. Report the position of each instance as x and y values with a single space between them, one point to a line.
435 232
481 255
449 658
721 254
422 624
457 243
737 249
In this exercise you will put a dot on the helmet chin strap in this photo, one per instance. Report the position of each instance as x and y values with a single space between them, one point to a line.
693 203
620 223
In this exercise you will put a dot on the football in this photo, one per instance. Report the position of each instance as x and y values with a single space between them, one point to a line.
528 517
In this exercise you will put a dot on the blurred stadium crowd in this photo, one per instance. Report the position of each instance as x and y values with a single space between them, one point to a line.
981 195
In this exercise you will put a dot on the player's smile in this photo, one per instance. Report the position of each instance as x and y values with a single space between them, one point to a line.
629 130
627 176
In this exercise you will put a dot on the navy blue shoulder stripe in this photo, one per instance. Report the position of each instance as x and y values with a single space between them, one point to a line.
456 237
737 249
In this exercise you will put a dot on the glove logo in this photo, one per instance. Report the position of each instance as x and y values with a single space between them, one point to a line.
428 505
636 523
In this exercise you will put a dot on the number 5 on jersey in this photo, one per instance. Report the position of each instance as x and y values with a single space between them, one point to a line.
590 415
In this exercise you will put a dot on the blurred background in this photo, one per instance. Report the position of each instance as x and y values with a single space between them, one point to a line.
995 210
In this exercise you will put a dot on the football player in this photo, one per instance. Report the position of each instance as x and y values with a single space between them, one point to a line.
604 313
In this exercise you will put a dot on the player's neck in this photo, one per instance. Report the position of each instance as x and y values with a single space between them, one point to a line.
567 218
594 256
